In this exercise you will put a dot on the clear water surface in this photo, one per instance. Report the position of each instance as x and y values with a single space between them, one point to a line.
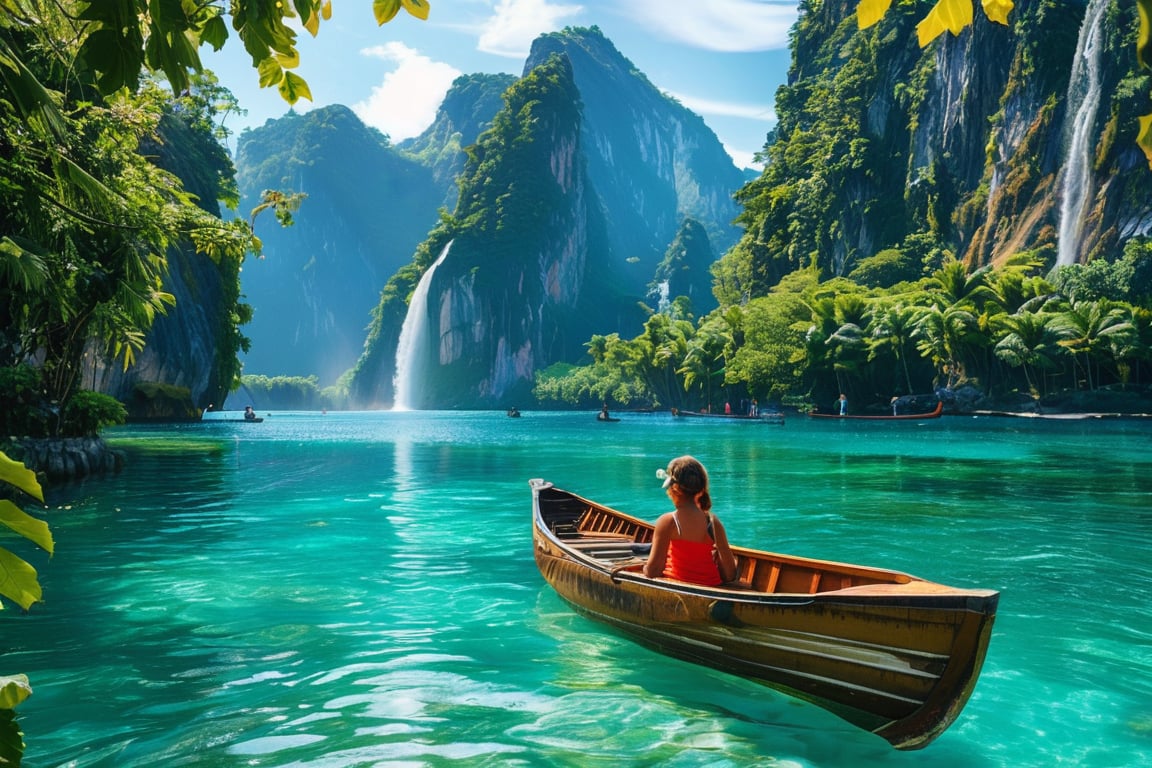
358 589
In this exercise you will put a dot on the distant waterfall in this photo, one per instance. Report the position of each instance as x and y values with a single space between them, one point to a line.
1083 100
412 348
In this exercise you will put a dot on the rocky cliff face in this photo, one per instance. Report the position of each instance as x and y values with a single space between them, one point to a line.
367 209
186 347
651 161
969 145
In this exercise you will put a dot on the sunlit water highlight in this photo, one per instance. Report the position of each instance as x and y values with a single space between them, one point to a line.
359 590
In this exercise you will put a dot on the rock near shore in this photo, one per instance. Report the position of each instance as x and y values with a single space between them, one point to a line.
57 460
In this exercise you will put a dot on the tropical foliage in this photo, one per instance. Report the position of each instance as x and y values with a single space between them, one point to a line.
1005 331
19 584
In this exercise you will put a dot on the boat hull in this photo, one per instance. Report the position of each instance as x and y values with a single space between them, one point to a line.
936 413
890 653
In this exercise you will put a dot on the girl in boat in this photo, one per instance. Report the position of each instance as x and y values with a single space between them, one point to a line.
689 543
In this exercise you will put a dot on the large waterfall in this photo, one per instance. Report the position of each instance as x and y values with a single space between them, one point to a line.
412 347
1082 102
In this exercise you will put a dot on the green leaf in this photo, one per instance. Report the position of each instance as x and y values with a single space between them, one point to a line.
15 473
18 580
13 690
11 739
385 10
293 88
215 33
32 528
116 55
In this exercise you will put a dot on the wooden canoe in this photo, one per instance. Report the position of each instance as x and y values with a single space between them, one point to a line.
933 414
890 653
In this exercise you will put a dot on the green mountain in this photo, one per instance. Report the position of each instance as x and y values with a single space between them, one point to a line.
576 225
368 207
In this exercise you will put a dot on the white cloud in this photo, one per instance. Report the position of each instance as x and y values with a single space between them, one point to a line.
718 25
702 107
742 158
405 102
516 23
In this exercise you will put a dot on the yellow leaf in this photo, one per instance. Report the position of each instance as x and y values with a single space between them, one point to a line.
15 473
32 528
293 88
290 60
385 10
312 24
270 72
1144 139
1144 38
997 10
417 8
868 12
326 10
18 580
13 690
951 15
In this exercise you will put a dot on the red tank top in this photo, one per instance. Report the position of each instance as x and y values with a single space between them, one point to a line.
692 561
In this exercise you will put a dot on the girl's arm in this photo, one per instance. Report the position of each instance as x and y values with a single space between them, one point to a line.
725 560
659 554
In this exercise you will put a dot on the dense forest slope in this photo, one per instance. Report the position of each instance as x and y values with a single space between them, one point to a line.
984 145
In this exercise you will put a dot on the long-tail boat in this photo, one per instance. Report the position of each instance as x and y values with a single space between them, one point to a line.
933 414
890 653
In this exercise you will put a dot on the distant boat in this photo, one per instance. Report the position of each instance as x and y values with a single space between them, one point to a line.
933 414
765 417
890 653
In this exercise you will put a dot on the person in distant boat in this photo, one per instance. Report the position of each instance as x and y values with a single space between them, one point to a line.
249 414
689 543
514 412
603 415
843 403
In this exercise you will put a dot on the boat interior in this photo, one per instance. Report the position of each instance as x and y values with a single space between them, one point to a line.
622 543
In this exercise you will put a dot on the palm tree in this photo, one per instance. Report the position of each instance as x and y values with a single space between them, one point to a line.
893 328
1088 328
1027 340
944 335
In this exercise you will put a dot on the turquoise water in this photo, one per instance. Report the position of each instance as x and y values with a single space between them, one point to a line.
359 590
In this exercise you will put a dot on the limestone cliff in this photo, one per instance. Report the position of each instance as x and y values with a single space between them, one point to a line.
968 146
515 279
652 161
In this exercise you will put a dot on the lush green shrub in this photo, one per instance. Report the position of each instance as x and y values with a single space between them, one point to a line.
88 412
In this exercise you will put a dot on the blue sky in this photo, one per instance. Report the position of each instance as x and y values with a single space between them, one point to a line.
724 59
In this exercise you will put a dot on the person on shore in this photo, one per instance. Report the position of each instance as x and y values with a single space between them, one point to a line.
843 403
690 543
